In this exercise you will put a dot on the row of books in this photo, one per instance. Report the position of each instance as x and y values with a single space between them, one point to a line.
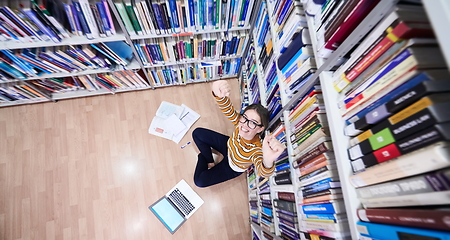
251 69
243 87
150 17
29 63
37 23
45 89
93 20
335 22
294 56
253 195
272 91
394 92
263 38
174 75
267 211
320 195
30 24
289 20
208 46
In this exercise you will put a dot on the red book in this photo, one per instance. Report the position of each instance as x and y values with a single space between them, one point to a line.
387 153
350 23
401 31
287 196
305 98
422 218
314 164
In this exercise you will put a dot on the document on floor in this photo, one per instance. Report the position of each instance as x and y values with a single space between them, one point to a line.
172 121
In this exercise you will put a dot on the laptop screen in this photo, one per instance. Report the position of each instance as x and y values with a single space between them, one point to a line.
167 214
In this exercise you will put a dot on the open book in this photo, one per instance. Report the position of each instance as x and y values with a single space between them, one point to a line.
172 121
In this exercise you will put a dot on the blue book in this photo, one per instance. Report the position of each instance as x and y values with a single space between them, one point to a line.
138 48
174 14
291 55
244 13
209 13
32 61
319 183
76 20
191 12
11 71
23 65
267 211
264 29
158 15
284 11
334 217
396 92
20 23
9 33
121 49
7 96
56 62
104 53
104 18
84 25
261 12
201 13
383 71
33 17
392 232
69 14
230 14
326 208
238 64
281 167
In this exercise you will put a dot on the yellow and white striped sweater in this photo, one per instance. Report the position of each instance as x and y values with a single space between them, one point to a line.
241 152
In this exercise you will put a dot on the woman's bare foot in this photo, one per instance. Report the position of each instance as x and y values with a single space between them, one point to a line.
210 165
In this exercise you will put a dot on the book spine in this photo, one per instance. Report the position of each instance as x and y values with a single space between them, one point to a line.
432 158
89 17
287 196
402 97
326 208
380 231
285 205
83 22
418 218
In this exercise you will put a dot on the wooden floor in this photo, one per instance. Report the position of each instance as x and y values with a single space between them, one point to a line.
87 168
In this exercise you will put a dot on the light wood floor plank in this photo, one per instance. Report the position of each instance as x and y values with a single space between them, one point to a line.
88 169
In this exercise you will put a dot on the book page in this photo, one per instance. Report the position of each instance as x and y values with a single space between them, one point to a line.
158 128
174 125
166 109
188 117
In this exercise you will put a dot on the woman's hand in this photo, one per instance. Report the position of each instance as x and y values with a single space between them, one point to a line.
272 149
221 88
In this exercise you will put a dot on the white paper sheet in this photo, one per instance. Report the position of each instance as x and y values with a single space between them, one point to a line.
172 121
188 117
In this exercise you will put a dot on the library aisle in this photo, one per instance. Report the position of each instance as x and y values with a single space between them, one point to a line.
87 168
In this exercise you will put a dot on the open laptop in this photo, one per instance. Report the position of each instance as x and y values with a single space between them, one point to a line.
176 206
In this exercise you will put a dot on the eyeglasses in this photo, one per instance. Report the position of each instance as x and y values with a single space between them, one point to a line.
251 124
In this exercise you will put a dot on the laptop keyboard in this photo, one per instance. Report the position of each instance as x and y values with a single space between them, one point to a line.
181 201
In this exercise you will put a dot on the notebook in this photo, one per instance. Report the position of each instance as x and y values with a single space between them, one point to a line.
176 206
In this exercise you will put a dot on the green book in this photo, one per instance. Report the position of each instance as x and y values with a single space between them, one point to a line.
133 18
126 20
218 6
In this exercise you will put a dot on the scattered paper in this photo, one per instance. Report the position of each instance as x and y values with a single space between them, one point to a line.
166 109
172 121
188 117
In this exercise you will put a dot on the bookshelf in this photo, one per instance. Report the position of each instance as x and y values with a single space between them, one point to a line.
436 11
159 58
